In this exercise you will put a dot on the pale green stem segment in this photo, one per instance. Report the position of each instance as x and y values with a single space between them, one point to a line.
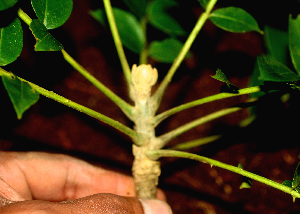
204 100
117 40
157 97
124 106
126 130
164 139
144 53
156 154
196 143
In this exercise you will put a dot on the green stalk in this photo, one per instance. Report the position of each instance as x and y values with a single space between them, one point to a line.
124 106
117 40
156 154
126 130
201 101
144 53
157 97
164 139
195 143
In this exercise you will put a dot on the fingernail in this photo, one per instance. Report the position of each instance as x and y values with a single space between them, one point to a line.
155 206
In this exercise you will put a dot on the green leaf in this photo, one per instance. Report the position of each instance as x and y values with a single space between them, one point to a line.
129 28
166 50
272 70
159 17
204 3
221 77
287 183
138 7
277 43
99 15
11 42
52 13
296 179
20 93
44 40
247 182
5 4
234 19
294 42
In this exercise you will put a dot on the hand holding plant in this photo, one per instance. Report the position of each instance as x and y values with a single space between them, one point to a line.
129 29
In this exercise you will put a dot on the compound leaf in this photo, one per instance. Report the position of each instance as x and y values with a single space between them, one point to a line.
234 19
44 40
52 13
11 42
159 17
166 50
294 42
20 93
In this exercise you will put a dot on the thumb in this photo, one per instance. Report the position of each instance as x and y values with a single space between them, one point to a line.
110 203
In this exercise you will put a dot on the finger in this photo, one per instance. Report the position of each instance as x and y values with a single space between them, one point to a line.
56 177
100 203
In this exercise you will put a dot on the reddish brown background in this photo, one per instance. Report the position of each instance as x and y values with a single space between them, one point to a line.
268 147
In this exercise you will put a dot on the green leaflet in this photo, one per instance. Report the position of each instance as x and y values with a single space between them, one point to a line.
294 42
234 19
203 3
129 28
247 182
52 13
44 40
20 93
11 42
221 77
277 43
159 18
138 7
274 71
5 4
166 50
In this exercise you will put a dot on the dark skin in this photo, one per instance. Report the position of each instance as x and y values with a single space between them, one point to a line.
35 182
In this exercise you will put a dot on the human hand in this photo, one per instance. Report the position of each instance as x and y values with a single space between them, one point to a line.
35 182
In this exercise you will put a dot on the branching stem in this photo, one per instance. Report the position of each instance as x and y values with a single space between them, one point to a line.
117 40
126 130
124 106
201 101
156 154
164 139
157 97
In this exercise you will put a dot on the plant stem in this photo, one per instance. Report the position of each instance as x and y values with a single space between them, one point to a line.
117 40
126 130
156 154
124 106
201 101
157 97
195 143
164 139
144 53
24 17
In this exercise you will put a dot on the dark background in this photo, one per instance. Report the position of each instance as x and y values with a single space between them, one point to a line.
268 147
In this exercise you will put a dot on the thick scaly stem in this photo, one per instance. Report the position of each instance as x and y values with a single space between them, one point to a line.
145 171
